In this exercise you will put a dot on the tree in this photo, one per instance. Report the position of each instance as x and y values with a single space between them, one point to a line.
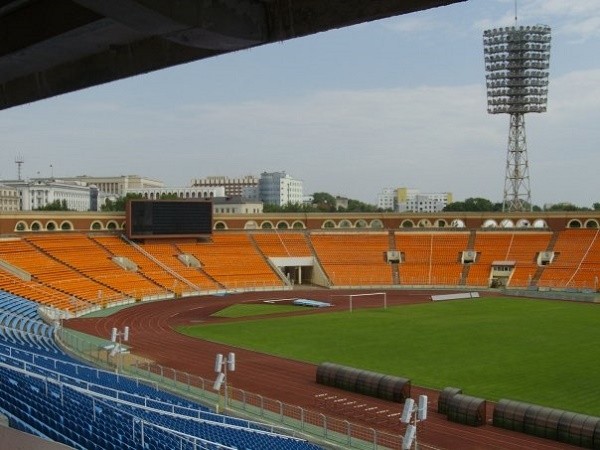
119 204
324 202
56 205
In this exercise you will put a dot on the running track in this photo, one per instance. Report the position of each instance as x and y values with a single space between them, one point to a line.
152 336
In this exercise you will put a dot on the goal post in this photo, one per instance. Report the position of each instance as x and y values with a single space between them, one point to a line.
354 299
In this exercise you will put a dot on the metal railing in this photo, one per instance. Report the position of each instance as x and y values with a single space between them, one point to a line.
295 420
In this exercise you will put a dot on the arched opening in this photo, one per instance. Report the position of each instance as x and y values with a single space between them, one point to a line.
96 225
407 224
266 225
490 223
575 223
220 226
345 224
360 224
376 223
507 223
283 225
591 223
441 223
36 226
523 223
66 226
297 225
21 226
250 225
458 223
112 225
328 224
540 223
51 225
424 223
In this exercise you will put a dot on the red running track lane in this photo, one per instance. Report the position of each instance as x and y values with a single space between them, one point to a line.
292 382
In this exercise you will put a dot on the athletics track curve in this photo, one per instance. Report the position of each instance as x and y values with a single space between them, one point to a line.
292 382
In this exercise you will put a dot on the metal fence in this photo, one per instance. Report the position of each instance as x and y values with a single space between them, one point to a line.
294 420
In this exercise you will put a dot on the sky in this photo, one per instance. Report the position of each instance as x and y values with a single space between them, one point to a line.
399 102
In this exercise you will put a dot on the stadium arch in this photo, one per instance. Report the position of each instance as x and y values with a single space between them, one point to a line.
298 224
266 225
376 223
458 223
424 223
360 223
345 223
507 223
21 226
251 225
407 224
490 223
283 225
96 225
574 223
112 225
66 225
328 224
220 225
36 225
591 223
540 223
523 223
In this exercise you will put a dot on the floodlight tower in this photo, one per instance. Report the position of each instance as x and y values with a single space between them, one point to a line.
517 60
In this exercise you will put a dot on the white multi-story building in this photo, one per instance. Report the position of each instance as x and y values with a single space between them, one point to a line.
278 188
386 199
414 201
9 198
39 193
234 187
118 186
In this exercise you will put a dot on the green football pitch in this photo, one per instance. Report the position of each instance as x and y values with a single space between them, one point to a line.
543 352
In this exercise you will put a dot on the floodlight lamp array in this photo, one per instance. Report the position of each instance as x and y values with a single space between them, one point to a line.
517 62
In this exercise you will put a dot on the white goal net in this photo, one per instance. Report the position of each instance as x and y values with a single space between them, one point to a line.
363 300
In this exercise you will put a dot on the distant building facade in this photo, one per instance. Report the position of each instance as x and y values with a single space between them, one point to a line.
40 192
386 199
155 193
279 188
236 205
412 200
234 187
118 186
9 198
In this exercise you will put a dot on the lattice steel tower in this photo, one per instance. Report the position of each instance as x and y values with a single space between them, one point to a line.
517 60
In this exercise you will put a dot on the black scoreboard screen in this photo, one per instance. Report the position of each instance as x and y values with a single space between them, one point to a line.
148 219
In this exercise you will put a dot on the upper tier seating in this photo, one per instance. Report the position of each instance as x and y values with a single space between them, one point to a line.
431 258
354 259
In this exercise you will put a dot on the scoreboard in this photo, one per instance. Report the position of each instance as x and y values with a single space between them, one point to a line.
147 219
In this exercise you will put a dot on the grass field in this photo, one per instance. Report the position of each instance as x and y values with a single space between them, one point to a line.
544 352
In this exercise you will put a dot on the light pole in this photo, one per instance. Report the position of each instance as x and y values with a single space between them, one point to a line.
120 336
408 416
222 365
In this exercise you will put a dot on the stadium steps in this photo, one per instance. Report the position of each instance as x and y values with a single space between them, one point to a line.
202 271
139 272
316 257
467 267
394 266
275 269
72 267
148 255
540 270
